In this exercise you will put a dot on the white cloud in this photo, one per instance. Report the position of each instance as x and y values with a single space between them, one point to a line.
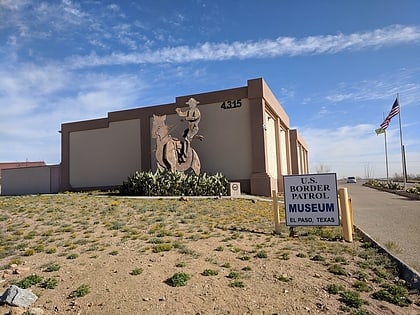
282 46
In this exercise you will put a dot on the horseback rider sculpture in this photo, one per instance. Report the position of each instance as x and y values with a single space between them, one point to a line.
192 116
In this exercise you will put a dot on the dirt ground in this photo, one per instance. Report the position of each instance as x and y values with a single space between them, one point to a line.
123 252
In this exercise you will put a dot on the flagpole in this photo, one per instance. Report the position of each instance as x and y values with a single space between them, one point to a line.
386 158
401 142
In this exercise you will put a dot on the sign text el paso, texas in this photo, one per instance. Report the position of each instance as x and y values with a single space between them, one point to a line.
311 199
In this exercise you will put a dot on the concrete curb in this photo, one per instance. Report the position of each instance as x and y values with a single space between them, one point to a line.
402 193
411 276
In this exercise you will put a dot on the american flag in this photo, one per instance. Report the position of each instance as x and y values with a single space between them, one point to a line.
394 112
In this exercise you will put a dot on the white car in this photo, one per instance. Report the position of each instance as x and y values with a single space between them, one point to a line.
351 179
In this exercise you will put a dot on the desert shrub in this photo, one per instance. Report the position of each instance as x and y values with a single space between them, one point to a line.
386 185
237 284
173 183
210 272
351 299
80 291
337 270
362 286
334 288
136 271
51 267
318 258
179 279
162 248
233 275
261 254
394 294
28 281
414 190
49 283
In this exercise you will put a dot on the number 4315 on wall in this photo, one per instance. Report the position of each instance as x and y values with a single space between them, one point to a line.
231 104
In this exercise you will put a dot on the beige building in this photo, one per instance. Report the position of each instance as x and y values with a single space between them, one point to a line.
246 137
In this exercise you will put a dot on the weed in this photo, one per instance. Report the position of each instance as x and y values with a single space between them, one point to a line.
51 268
351 299
362 286
237 284
394 294
380 272
179 279
334 288
261 254
51 250
157 240
113 253
367 245
136 271
360 275
244 258
49 283
318 258
81 291
29 281
247 268
340 259
29 252
186 251
219 249
166 247
300 255
337 270
233 275
72 256
210 272
226 265
393 247
284 278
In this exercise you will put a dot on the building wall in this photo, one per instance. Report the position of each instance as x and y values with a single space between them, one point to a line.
299 153
7 165
30 180
105 156
249 143
226 147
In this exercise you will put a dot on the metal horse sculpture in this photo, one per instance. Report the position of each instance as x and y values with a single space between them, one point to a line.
168 149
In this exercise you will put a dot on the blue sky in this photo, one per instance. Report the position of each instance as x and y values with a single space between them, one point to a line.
335 66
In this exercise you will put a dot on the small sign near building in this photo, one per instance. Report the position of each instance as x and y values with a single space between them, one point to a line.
311 200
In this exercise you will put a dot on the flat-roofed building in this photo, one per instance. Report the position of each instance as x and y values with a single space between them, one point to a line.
246 132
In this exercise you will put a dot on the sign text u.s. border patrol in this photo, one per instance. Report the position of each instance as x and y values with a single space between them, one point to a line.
311 199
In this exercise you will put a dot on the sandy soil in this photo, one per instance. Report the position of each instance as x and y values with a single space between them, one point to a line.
100 241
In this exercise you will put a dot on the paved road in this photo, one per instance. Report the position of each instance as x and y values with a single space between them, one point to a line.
387 218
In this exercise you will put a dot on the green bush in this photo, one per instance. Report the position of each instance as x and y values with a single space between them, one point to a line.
337 270
351 299
394 294
179 279
210 272
136 271
334 288
29 281
173 183
49 283
80 291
